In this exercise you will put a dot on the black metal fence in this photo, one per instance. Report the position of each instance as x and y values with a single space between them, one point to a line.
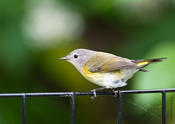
72 95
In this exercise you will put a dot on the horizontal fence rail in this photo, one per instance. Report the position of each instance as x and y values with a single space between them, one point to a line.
73 94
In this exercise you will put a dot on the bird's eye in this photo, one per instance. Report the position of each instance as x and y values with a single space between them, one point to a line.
75 56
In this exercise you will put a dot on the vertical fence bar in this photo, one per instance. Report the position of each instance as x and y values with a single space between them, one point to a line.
171 108
163 107
24 109
119 107
72 109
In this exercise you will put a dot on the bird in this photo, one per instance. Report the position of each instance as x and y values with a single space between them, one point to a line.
105 69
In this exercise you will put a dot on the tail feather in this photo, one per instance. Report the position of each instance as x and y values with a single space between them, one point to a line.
142 63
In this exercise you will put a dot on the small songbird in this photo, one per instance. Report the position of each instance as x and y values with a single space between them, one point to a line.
104 69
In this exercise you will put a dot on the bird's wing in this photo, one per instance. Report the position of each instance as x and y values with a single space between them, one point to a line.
107 62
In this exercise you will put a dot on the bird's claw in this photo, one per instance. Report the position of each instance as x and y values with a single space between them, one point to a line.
94 94
115 92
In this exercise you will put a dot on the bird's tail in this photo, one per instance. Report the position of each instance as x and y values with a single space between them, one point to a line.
142 63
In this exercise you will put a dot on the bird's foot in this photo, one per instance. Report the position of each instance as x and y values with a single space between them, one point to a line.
114 92
94 94
97 89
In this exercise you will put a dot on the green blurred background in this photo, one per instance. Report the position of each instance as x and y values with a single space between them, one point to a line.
35 33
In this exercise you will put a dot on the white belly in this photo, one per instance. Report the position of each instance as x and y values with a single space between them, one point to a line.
111 79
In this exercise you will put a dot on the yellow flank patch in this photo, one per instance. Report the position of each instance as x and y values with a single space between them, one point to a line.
86 70
143 63
90 75
87 73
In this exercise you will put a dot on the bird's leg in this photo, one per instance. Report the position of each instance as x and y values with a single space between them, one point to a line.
97 89
115 93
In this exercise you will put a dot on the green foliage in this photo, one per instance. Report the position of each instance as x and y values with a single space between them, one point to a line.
160 75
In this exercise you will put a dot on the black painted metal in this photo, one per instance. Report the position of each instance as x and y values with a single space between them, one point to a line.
72 109
73 94
163 107
119 107
24 109
68 94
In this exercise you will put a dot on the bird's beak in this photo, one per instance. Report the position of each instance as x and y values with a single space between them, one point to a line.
64 58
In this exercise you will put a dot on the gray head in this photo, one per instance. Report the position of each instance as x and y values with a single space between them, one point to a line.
78 57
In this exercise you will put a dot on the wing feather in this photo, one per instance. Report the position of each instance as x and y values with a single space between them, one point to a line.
105 62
